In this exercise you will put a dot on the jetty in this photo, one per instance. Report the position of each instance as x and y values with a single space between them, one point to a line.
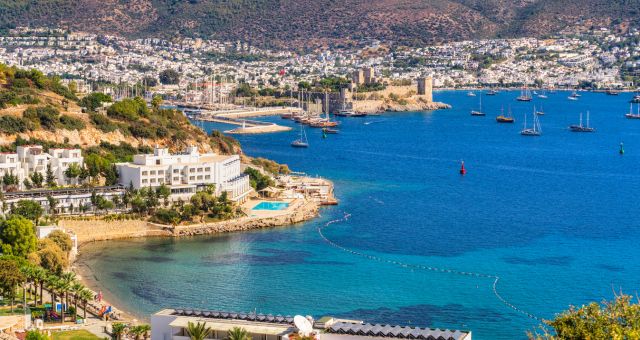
238 116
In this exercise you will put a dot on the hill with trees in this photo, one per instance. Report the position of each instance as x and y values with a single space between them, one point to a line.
298 23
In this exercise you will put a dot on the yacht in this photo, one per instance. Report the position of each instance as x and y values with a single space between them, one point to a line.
580 127
535 130
491 92
479 112
505 119
301 142
471 94
525 95
632 115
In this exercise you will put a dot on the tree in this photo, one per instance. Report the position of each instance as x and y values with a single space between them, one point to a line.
140 331
237 333
618 319
84 296
62 239
73 171
18 236
50 178
198 331
53 203
51 256
156 101
28 209
118 329
164 192
10 278
37 179
169 77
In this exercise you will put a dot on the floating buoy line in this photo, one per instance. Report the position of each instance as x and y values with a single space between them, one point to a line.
495 278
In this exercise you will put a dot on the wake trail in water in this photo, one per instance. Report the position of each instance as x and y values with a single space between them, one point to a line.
495 278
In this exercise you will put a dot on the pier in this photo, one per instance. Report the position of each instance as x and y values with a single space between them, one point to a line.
246 126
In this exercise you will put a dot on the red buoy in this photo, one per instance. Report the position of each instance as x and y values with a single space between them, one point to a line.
463 171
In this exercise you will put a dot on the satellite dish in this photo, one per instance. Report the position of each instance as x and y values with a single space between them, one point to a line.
304 326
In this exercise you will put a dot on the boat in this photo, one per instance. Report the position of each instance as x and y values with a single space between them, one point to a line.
632 115
344 112
543 95
580 127
301 142
505 119
524 96
491 92
330 131
540 112
471 94
479 112
635 99
535 130
612 92
574 96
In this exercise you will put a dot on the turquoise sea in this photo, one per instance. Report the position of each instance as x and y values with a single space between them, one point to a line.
555 217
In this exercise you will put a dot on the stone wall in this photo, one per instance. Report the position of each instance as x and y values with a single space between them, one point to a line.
100 230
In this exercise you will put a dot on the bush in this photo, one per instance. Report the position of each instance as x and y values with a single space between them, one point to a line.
128 109
13 125
166 216
46 117
94 100
257 180
103 123
71 123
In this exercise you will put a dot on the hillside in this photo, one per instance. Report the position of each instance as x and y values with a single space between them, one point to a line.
38 109
319 22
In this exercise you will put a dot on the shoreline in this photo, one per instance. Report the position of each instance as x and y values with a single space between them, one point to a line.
93 230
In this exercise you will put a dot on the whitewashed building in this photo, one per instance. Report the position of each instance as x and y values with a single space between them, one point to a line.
29 159
185 173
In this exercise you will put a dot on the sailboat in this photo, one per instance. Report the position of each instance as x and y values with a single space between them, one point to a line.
635 99
580 127
543 95
491 92
302 141
539 112
632 115
574 96
524 96
535 130
479 112
505 119
471 94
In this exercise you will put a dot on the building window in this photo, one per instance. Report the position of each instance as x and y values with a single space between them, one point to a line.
192 170
207 177
157 162
144 173
144 181
152 172
191 178
176 171
160 172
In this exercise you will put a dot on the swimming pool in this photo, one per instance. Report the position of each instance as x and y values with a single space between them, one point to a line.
271 206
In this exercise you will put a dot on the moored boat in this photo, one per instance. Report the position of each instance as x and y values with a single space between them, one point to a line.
580 127
535 130
632 115
505 119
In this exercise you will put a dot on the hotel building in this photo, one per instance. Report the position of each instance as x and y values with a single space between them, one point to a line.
171 324
29 159
186 173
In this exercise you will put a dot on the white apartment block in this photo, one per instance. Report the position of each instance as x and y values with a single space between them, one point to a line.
29 159
186 173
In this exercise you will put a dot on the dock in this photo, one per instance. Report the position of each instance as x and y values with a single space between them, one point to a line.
246 126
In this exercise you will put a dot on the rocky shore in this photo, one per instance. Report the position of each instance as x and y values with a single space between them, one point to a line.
409 104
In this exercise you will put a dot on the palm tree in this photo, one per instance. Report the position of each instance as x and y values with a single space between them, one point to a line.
140 331
198 331
66 281
76 289
118 329
85 295
237 333
28 272
52 283
40 276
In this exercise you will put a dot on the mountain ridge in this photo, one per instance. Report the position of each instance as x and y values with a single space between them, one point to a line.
304 23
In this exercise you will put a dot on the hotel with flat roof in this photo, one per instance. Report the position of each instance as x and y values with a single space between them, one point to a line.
185 173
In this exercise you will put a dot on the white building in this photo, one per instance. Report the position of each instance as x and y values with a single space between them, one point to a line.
29 159
67 201
186 173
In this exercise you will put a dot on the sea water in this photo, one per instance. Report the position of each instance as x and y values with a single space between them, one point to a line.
555 217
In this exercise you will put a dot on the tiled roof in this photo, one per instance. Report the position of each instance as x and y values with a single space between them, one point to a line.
235 316
389 331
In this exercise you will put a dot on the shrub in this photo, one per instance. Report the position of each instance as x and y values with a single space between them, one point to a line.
46 117
71 123
103 123
13 125
128 109
166 216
